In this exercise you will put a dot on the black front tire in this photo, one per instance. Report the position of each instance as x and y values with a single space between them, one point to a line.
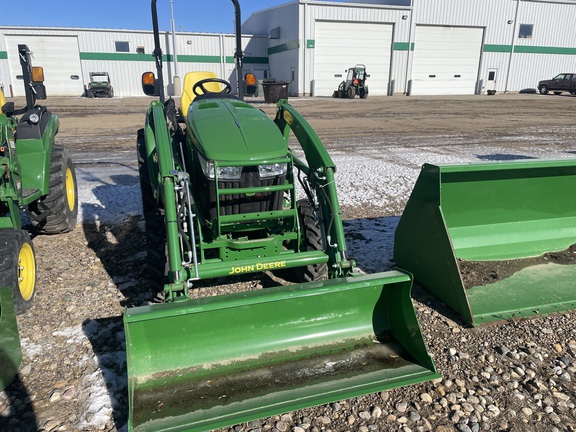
351 93
57 212
18 267
312 237
156 252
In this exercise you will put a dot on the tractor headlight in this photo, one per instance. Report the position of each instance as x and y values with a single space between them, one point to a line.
224 173
272 170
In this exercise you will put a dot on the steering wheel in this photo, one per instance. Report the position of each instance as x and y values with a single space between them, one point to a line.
200 85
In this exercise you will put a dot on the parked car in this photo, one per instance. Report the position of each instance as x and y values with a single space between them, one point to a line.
564 82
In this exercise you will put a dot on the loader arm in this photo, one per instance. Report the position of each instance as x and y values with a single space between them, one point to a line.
164 170
320 170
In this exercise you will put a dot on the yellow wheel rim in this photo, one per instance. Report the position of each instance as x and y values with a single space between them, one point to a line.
70 190
26 272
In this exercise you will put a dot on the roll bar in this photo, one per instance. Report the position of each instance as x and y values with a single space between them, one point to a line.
238 55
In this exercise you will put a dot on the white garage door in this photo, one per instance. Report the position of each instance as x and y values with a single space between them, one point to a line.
342 45
446 60
59 56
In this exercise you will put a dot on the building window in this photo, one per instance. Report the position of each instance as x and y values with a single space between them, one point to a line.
525 31
140 50
122 46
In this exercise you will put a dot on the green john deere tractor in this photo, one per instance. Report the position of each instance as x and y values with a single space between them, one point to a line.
354 84
224 194
38 180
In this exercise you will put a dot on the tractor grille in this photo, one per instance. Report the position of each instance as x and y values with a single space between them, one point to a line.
238 204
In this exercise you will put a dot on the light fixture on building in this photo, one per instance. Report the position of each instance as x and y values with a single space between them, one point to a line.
404 17
189 42
510 21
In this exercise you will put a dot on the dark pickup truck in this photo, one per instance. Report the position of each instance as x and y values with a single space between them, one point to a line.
564 82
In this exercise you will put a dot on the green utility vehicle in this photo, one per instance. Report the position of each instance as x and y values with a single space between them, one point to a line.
354 84
38 180
99 86
224 195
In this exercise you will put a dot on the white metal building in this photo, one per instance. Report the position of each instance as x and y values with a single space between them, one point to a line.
419 47
69 55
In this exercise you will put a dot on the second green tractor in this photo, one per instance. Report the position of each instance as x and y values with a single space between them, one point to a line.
37 185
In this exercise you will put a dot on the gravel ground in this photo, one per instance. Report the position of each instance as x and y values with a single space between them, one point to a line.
512 376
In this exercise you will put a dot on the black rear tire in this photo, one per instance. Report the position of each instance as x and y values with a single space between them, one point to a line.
156 253
312 236
18 267
543 89
57 212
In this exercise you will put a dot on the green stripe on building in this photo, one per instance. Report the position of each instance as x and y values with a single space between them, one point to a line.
184 58
530 49
199 59
118 56
544 50
288 46
3 55
403 46
497 48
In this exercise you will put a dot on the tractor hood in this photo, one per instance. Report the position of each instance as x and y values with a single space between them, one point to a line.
231 130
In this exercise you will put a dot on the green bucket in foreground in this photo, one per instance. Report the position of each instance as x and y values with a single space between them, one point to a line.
493 215
10 351
218 361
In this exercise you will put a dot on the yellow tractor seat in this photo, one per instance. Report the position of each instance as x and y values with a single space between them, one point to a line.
192 78
2 99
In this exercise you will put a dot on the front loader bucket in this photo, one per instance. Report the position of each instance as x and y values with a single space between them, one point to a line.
217 361
493 240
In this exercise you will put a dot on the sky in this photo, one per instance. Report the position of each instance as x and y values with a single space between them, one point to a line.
189 15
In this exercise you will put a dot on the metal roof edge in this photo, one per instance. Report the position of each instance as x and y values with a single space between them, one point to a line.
90 29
